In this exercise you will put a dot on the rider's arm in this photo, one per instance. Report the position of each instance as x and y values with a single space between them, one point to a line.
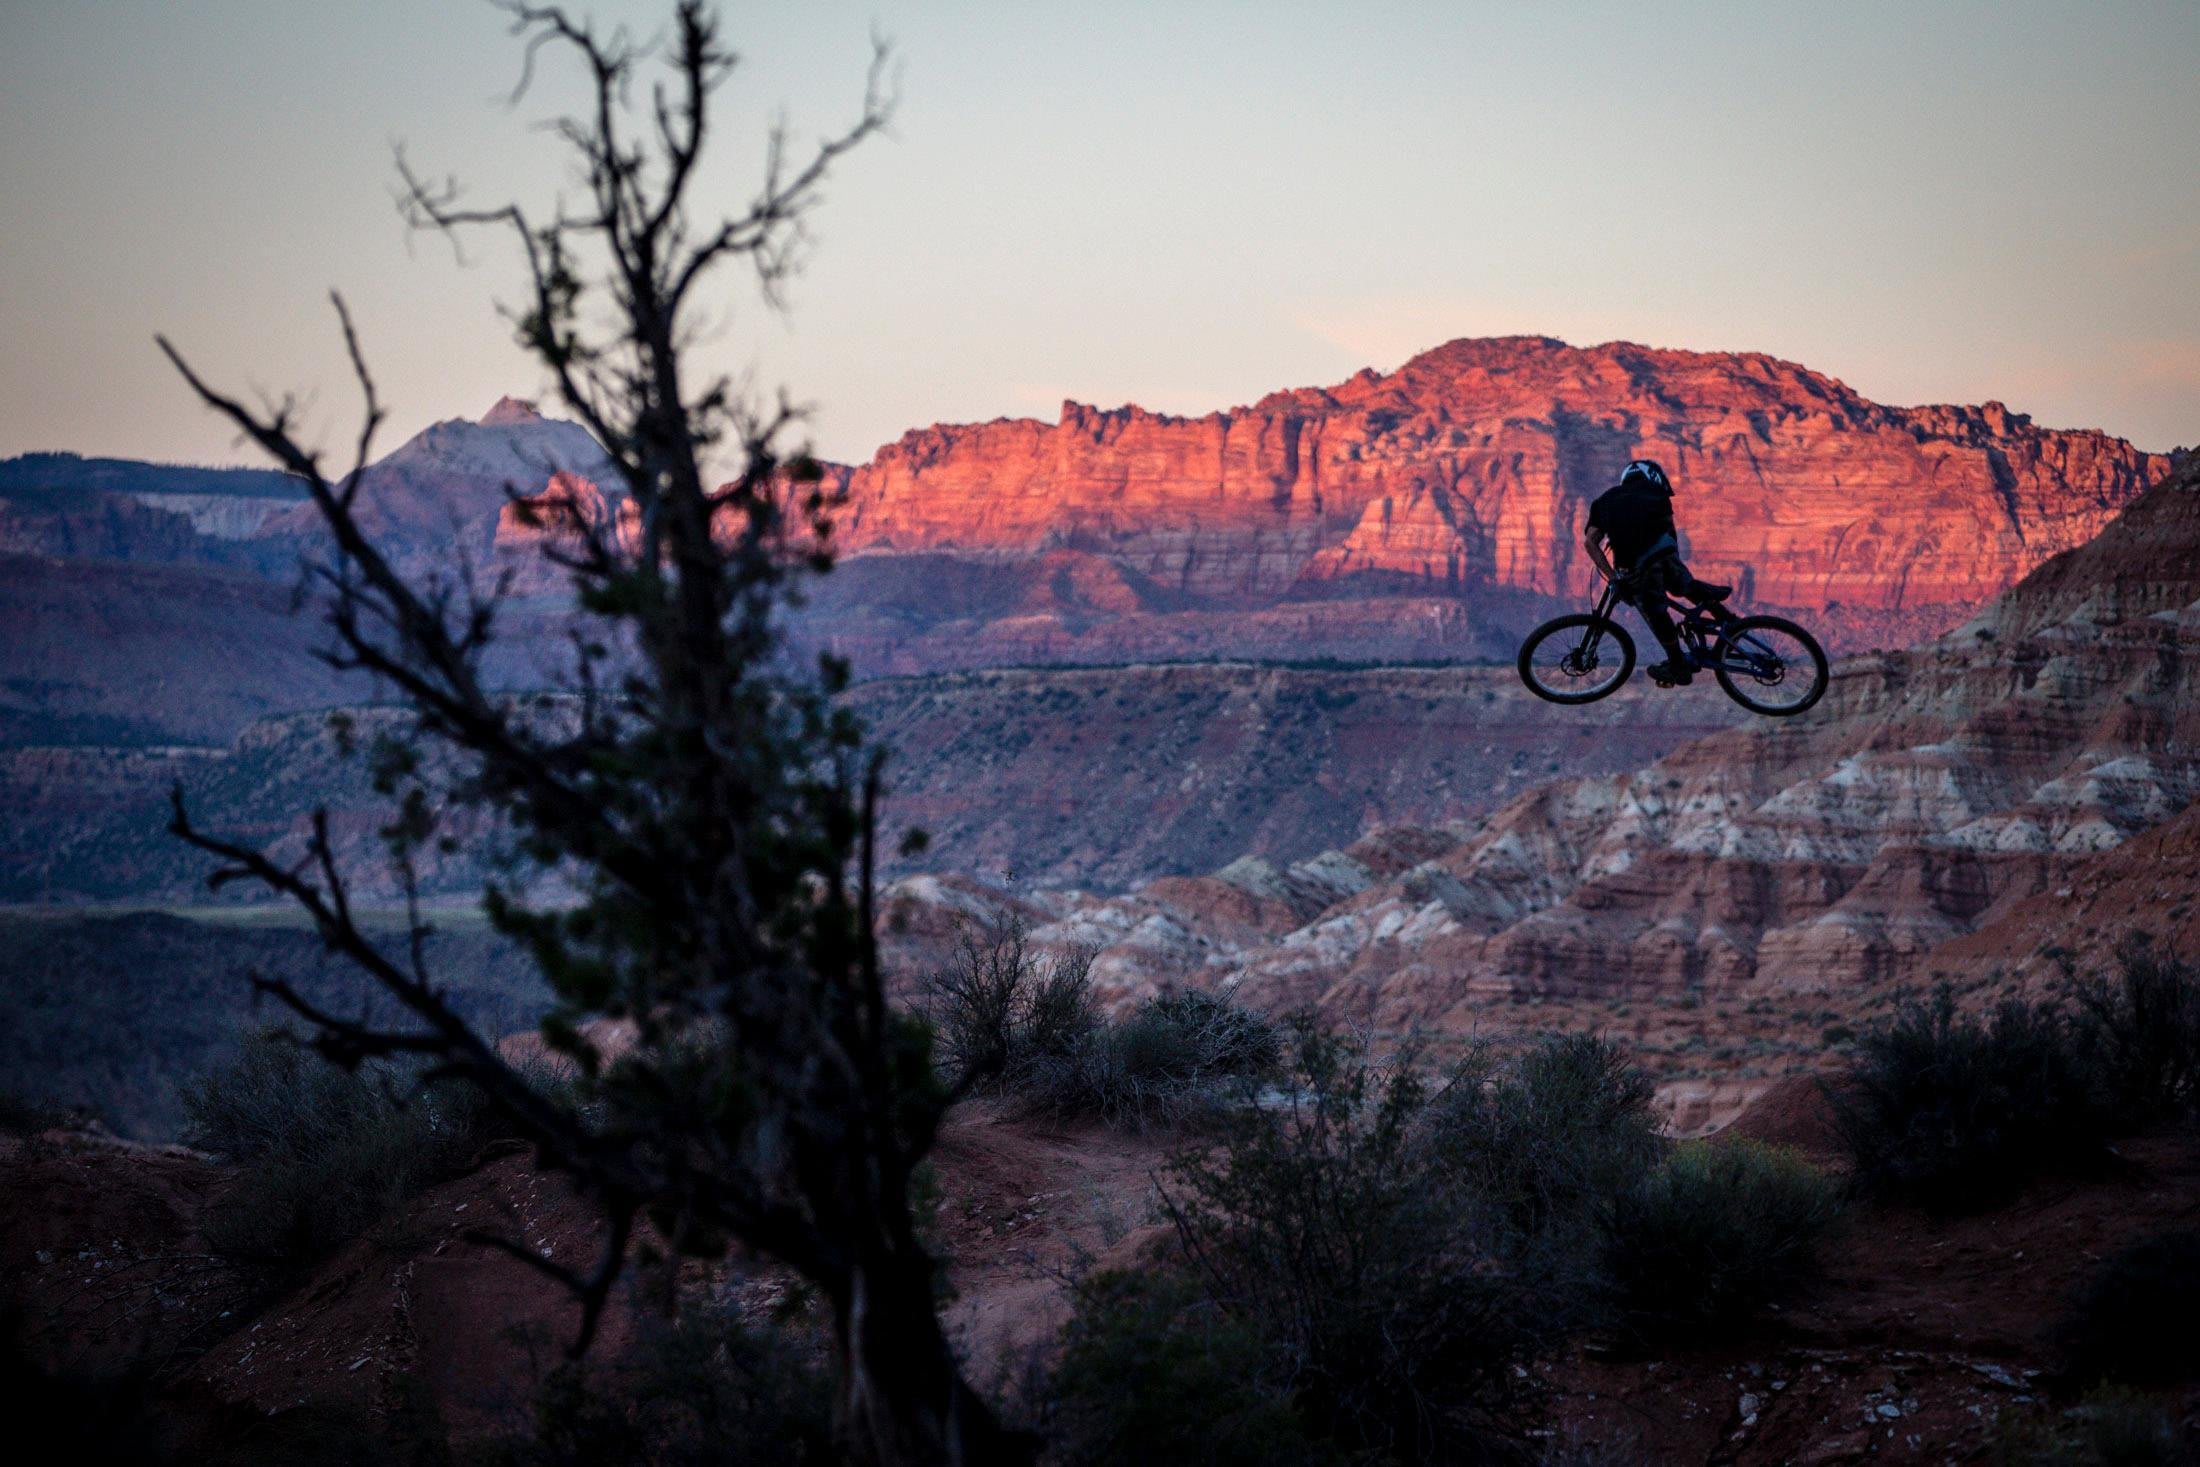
1593 540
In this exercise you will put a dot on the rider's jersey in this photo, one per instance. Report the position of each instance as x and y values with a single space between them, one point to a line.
1636 518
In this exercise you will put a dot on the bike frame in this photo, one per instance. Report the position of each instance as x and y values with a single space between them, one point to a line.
1703 633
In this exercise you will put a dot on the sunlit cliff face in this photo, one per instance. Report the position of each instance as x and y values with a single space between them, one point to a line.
1469 469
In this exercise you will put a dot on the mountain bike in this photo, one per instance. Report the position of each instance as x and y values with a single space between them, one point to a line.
1767 664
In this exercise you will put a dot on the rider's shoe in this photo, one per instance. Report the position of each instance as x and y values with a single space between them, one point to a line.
1671 673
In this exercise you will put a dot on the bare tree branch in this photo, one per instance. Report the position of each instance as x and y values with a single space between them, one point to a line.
715 816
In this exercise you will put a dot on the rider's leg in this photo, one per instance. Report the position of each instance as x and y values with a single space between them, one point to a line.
1660 620
1650 602
1682 581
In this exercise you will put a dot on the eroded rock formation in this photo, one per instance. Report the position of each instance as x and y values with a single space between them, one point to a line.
1940 796
1465 475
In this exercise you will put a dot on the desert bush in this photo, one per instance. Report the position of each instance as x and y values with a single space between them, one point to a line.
1228 1038
2110 1427
705 1389
1152 1371
323 1153
1531 1153
1713 1235
2140 1034
1540 1144
2131 1323
1391 1255
1956 1113
1325 1225
1175 1060
1000 1007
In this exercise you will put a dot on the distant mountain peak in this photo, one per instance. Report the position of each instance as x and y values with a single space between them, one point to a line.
511 412
1472 349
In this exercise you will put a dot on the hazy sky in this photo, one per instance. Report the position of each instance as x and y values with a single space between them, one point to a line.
1183 205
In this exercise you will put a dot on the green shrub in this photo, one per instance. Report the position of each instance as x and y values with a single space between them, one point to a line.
1957 1113
1175 1060
2132 1321
2111 1427
1713 1235
1323 1224
1060 1013
2141 1035
1540 1144
707 1389
1151 1371
1025 1023
1530 1154
323 1153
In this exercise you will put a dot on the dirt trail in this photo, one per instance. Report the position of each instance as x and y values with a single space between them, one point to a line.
1023 1209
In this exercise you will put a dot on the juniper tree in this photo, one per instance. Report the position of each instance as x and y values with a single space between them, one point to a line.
709 810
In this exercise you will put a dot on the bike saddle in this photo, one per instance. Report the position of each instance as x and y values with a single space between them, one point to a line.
1706 592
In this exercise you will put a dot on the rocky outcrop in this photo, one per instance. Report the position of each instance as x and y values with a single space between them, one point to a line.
567 511
218 516
1964 784
1465 475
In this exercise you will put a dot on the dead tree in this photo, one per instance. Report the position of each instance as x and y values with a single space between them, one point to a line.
715 811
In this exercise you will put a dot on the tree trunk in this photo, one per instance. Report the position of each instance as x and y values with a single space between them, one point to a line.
903 1401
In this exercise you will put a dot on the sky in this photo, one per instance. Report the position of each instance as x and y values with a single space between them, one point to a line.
1180 205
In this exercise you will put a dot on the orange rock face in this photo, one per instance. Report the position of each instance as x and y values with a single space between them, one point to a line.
559 519
1466 475
568 505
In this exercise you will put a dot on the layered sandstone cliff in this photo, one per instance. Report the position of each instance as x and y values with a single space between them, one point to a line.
1466 473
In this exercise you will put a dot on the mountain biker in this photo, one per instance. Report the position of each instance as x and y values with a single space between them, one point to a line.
1634 521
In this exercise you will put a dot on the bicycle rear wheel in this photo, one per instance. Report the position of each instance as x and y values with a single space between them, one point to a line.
1770 665
1576 659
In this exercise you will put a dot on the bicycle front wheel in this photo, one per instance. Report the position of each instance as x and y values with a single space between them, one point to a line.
1770 665
1576 659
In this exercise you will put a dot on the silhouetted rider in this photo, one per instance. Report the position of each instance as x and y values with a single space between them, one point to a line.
1635 520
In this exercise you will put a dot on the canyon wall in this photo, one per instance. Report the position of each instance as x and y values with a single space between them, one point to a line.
1465 475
